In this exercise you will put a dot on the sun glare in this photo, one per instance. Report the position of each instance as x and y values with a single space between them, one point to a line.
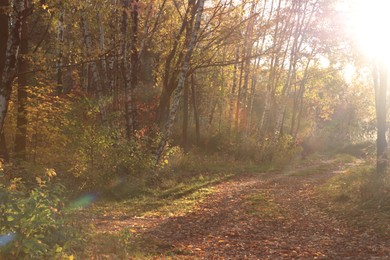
369 23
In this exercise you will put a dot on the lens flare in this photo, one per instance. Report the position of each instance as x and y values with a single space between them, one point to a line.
5 239
82 202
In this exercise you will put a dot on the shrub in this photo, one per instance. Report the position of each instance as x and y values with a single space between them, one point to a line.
33 223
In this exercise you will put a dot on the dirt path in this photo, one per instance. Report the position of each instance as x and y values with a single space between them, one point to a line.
271 216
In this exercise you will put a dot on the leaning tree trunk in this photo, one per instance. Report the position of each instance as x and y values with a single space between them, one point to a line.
169 76
180 85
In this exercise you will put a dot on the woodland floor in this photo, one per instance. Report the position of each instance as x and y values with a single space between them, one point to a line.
276 215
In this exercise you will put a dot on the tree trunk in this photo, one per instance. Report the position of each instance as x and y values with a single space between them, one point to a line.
21 120
233 92
130 67
196 113
169 77
185 117
96 76
60 39
182 76
381 95
11 57
3 50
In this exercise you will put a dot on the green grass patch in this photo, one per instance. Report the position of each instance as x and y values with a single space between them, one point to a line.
171 197
196 163
311 170
320 164
174 191
360 196
262 205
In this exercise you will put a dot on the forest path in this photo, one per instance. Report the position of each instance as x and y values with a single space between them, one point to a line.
265 216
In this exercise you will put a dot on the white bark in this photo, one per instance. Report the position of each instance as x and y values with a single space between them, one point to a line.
180 85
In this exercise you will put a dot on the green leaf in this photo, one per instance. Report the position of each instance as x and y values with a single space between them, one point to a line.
58 249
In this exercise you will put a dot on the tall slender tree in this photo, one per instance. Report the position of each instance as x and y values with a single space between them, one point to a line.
181 81
381 82
22 93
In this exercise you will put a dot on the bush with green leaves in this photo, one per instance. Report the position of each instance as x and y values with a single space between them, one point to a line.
99 152
33 223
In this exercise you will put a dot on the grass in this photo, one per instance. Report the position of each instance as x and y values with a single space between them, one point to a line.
170 198
175 194
261 205
361 197
310 166
174 191
311 170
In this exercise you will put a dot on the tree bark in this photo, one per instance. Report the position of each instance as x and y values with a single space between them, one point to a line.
60 39
382 160
185 117
11 58
196 113
233 91
22 94
182 76
130 62
3 50
169 77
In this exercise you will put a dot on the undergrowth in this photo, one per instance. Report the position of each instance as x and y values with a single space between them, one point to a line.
361 196
176 190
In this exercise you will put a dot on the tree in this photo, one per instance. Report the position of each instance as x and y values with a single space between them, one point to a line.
21 121
4 17
380 83
181 81
9 64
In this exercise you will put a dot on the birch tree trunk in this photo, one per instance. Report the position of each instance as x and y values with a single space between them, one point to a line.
169 77
129 62
180 85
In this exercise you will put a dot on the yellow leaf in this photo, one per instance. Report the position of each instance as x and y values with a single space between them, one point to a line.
39 180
